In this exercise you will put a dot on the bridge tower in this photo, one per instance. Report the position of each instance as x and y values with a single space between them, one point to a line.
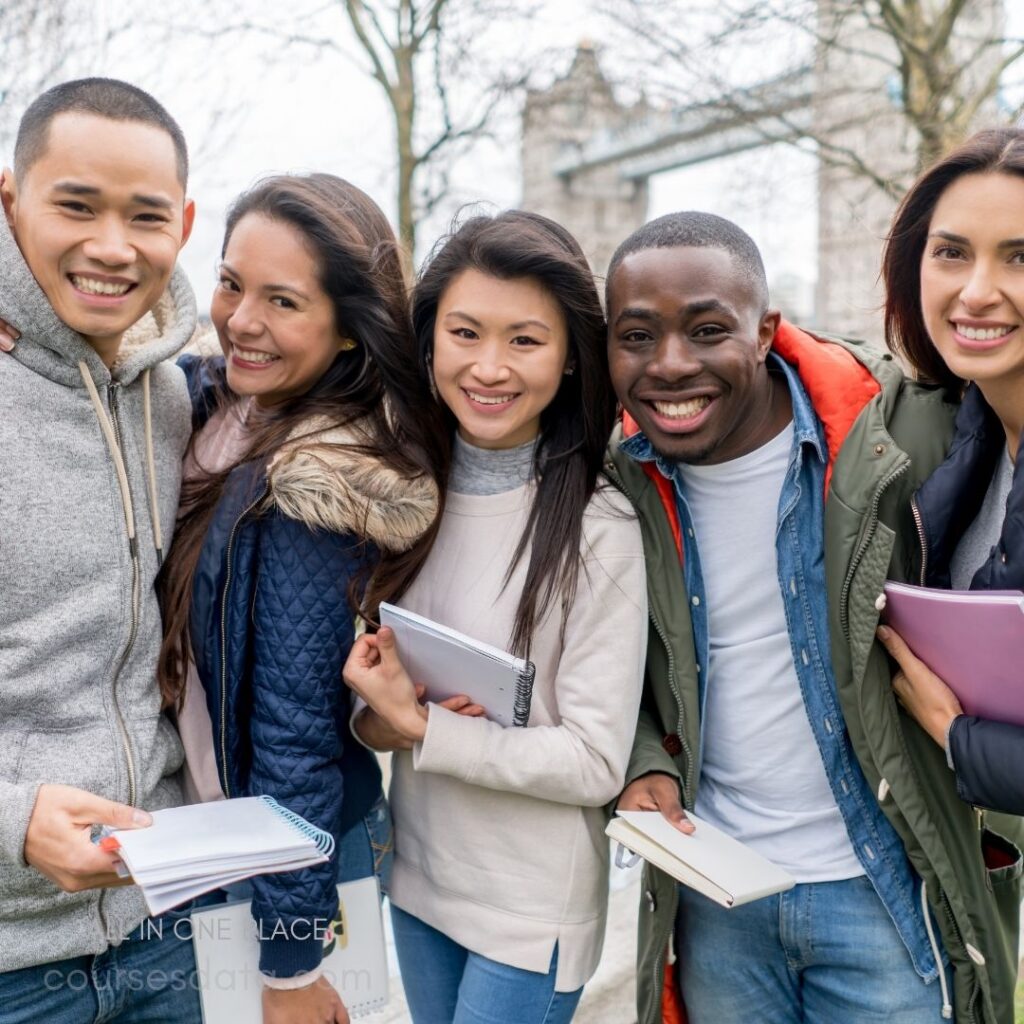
598 205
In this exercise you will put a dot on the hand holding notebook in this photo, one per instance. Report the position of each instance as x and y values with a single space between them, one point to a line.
384 669
375 672
707 860
972 640
191 850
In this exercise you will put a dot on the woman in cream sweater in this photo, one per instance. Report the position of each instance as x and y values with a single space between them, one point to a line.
499 888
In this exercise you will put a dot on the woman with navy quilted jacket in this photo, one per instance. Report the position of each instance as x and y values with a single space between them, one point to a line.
309 478
954 274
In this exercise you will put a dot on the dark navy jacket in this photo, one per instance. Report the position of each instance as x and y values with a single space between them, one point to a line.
988 757
271 628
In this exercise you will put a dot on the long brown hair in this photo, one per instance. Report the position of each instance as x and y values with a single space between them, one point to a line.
992 150
575 427
377 384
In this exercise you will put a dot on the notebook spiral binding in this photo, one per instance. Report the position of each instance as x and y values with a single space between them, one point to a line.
324 840
524 695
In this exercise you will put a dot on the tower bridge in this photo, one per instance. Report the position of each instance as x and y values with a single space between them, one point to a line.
587 159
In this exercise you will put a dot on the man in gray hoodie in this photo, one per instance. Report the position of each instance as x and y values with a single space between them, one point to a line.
94 426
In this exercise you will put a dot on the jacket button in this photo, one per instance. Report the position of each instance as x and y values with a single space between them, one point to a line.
673 745
879 449
652 903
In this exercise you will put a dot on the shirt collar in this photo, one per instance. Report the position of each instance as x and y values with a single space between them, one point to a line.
807 427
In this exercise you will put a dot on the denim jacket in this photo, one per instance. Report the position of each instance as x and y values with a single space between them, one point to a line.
800 550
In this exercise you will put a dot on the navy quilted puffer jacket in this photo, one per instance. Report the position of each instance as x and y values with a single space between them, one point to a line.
271 627
988 756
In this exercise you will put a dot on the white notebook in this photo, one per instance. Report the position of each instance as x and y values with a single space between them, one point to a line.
449 663
228 956
190 850
708 860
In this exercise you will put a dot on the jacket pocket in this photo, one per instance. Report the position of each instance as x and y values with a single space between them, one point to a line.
76 756
1003 859
1003 867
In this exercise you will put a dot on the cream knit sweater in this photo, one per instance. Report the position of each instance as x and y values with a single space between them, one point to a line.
500 832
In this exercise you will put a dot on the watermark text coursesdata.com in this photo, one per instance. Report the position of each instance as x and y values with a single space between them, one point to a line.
221 980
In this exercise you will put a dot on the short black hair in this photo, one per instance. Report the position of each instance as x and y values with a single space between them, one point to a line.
104 97
693 229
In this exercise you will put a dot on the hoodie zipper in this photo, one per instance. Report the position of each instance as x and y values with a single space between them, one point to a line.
869 533
919 523
224 642
112 393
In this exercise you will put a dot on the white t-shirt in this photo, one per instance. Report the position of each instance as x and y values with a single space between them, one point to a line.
762 778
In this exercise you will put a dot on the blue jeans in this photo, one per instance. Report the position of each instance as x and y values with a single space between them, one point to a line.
447 984
368 847
821 953
149 979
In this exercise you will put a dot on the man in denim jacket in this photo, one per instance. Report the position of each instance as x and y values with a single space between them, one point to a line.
760 458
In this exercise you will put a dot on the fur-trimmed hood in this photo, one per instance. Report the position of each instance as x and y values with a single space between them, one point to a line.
323 479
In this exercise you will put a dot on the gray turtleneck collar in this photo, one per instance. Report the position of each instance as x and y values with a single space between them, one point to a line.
490 470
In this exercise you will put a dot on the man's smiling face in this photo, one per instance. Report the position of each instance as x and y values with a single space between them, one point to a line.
100 217
687 339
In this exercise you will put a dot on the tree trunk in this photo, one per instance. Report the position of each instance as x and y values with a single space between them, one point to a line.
404 103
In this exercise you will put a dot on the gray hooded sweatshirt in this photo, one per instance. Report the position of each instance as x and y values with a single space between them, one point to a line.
83 501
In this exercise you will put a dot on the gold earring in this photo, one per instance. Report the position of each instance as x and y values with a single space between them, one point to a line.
347 344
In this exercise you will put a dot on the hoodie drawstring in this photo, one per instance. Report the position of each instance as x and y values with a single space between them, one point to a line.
122 474
947 1007
154 504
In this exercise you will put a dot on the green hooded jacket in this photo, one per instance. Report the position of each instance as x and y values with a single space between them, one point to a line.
885 436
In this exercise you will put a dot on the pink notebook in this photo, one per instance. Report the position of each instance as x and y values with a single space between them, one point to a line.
971 639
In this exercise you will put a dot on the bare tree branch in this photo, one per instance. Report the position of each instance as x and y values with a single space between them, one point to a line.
934 66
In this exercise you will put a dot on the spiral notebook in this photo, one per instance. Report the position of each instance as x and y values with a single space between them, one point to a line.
971 639
191 850
449 663
354 961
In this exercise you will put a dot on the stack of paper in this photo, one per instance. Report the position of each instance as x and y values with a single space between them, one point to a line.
190 850
708 860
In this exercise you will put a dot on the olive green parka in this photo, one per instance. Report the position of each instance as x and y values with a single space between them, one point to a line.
885 436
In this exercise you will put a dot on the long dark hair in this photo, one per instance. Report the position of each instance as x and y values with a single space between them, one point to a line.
575 426
376 388
994 149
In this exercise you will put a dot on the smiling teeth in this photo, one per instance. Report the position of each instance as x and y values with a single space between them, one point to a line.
250 355
490 399
983 333
682 410
91 286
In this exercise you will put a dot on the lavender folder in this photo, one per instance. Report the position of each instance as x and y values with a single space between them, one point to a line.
971 639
